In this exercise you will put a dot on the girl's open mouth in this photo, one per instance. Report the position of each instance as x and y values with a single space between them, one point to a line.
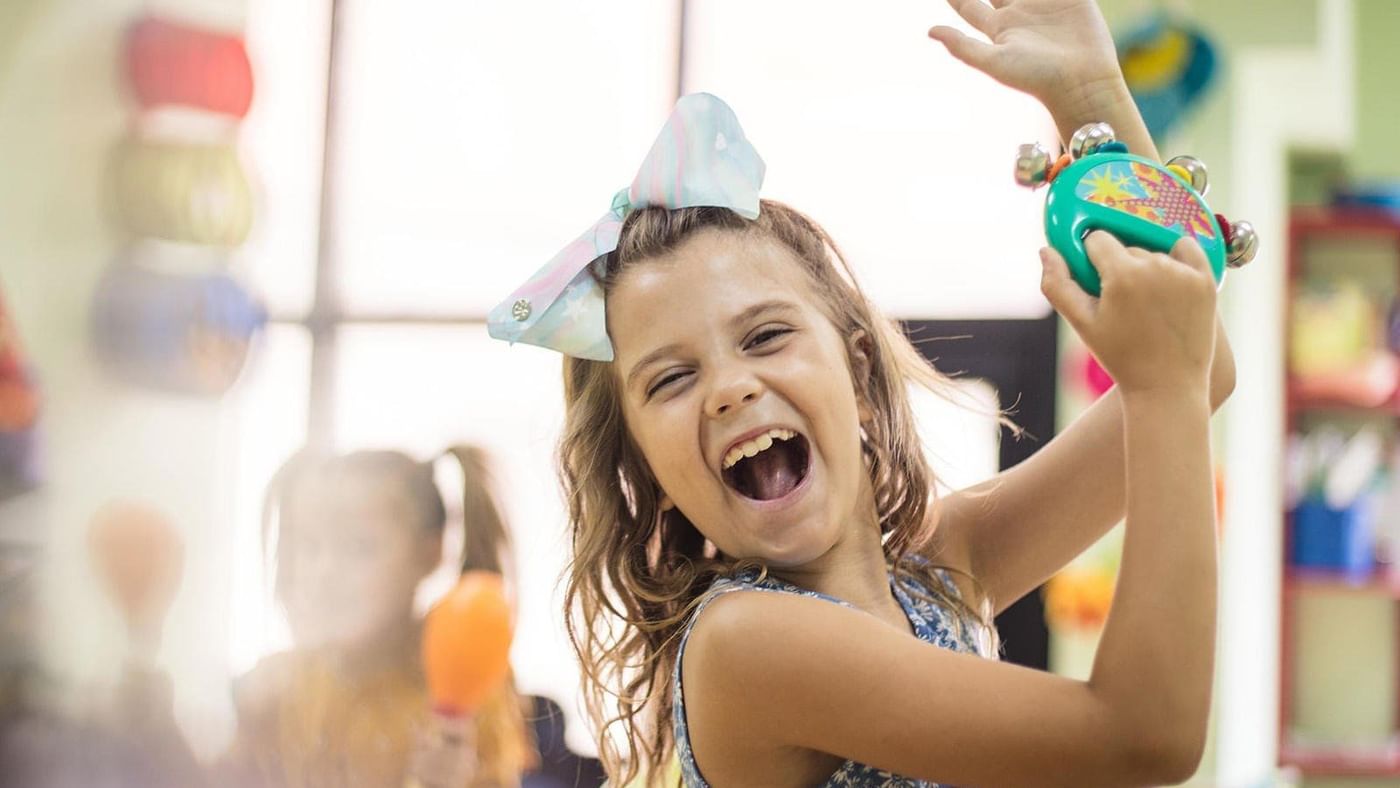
772 472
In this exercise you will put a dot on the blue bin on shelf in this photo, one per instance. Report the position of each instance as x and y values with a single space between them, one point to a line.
1339 540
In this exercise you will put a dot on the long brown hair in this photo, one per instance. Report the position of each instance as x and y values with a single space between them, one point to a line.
638 571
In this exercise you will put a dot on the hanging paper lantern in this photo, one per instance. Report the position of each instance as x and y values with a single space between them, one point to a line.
19 414
189 192
1168 63
466 644
169 63
181 332
139 558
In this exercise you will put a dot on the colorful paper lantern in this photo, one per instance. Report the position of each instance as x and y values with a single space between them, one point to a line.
182 332
174 64
179 191
1168 64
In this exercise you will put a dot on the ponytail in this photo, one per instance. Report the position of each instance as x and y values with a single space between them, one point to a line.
486 544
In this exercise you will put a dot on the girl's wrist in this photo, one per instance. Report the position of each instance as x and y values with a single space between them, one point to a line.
1182 397
1089 99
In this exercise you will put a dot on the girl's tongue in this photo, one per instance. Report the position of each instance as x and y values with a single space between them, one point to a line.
770 474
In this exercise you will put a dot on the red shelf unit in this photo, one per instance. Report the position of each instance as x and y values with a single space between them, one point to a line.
1342 763
1314 759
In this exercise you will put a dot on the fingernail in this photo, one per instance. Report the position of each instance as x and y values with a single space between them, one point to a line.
1044 256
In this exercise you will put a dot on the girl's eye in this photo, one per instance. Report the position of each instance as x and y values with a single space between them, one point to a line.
665 381
768 335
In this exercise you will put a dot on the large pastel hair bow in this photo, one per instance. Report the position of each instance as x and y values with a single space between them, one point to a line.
701 158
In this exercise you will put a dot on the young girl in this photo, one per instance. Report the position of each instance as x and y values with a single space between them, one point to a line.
355 534
762 582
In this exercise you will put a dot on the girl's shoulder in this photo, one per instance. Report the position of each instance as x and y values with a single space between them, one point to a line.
256 692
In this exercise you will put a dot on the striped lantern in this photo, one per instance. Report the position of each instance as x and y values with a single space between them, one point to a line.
187 333
181 191
173 64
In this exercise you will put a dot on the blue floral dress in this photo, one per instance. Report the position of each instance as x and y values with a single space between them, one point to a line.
930 623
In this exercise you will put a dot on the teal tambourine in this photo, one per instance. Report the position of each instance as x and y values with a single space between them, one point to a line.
1098 185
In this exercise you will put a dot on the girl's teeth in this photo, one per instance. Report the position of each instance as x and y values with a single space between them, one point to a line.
752 447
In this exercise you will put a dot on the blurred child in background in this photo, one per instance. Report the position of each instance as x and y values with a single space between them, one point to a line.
353 536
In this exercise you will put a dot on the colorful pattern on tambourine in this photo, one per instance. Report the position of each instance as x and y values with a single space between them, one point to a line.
1138 201
1147 193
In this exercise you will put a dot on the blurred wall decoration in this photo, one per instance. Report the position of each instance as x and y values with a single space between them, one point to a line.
182 191
19 414
173 64
177 177
1168 63
180 332
139 558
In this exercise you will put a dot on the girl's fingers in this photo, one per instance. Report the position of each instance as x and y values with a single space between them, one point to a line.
977 13
978 54
1188 251
1106 253
1063 293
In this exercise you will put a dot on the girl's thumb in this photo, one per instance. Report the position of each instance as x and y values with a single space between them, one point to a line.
1060 289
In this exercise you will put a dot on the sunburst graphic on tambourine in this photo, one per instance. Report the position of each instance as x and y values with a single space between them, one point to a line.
1147 193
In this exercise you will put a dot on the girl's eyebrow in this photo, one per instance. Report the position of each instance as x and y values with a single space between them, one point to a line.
649 359
749 313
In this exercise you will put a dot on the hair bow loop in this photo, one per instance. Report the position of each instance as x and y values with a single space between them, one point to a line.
700 158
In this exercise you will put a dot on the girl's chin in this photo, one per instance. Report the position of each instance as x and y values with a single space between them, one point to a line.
795 544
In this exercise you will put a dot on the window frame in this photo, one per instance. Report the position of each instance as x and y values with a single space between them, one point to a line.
1017 356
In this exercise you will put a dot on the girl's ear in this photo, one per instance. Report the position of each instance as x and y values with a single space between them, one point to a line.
859 349
666 503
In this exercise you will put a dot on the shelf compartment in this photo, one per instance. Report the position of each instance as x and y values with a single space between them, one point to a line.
1337 760
1381 580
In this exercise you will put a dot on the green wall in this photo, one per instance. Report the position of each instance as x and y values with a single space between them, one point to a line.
1377 151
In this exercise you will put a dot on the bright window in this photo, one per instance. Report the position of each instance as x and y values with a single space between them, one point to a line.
467 142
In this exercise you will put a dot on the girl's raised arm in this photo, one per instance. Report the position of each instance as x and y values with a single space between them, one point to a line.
1015 531
780 689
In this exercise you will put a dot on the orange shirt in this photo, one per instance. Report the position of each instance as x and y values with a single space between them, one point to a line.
304 722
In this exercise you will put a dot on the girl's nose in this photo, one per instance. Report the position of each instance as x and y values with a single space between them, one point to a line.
732 391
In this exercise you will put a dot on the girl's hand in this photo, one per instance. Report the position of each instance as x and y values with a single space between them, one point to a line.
444 755
1153 328
1059 51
